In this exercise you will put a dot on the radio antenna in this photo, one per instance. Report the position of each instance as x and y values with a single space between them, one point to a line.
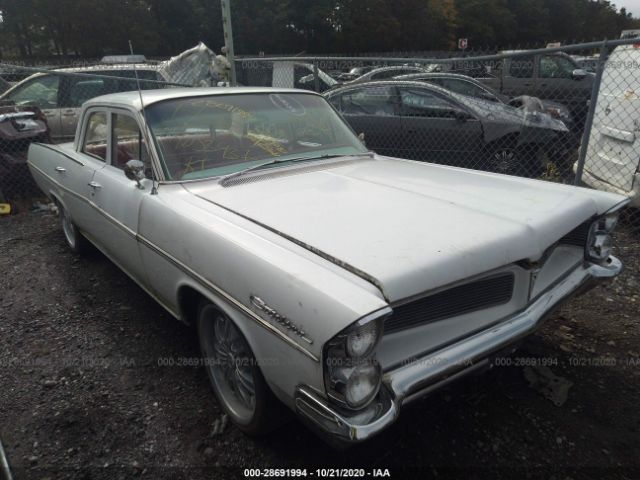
154 188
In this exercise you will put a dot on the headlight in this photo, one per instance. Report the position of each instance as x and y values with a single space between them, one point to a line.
600 242
351 371
600 246
361 341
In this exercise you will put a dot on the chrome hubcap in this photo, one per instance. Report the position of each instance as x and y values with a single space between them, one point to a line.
68 228
231 367
504 160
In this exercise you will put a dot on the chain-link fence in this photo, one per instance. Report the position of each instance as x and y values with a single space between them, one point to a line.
42 105
568 114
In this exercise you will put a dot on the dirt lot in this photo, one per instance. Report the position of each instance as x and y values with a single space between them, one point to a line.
83 396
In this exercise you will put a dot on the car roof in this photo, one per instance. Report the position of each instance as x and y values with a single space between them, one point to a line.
395 67
412 76
149 97
411 83
108 67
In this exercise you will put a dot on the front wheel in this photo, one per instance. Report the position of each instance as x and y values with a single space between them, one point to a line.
235 375
511 159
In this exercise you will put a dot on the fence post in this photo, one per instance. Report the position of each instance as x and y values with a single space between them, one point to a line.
316 80
228 40
595 89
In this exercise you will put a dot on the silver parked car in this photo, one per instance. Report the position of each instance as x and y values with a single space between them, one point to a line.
320 275
385 73
59 94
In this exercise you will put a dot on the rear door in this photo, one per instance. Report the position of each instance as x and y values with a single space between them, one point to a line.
75 171
438 129
374 111
613 153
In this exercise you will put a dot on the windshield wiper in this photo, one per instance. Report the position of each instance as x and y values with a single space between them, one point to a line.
230 176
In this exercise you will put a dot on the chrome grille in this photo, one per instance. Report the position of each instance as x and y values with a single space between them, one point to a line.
484 293
577 236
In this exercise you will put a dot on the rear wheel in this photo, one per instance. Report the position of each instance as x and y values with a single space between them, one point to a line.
72 235
234 374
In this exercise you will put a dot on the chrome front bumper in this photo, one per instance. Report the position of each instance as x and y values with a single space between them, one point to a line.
426 374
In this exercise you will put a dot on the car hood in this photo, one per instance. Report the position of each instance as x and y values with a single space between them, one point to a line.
405 226
500 113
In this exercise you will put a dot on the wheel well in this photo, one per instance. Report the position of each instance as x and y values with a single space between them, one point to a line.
189 303
508 140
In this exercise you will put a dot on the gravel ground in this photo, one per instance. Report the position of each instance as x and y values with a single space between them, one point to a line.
83 396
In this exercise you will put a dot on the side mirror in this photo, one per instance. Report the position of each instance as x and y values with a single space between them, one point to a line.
461 116
579 74
307 79
361 138
134 170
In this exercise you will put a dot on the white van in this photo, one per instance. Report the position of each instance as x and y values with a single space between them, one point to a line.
613 152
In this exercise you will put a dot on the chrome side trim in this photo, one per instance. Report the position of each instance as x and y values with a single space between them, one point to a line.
146 289
211 286
58 184
108 216
51 147
196 276
356 271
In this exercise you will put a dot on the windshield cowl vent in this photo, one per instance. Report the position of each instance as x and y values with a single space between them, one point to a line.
278 171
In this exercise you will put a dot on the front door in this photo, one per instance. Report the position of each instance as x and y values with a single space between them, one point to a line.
374 111
118 198
437 129
519 78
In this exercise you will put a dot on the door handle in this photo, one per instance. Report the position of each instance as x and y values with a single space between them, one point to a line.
61 169
94 185
69 114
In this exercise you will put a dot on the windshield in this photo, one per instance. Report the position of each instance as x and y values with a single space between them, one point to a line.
201 137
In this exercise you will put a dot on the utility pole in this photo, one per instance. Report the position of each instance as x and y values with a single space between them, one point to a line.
228 39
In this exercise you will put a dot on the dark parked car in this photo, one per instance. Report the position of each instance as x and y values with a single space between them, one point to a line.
420 121
4 85
466 85
385 73
561 151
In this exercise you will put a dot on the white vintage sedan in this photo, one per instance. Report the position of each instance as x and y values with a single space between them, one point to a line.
320 275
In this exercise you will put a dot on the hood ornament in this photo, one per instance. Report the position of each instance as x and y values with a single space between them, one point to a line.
272 314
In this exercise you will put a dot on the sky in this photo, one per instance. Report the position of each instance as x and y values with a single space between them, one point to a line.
632 6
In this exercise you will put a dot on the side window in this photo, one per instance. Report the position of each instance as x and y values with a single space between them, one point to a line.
335 101
553 66
387 74
41 92
82 89
422 103
521 67
369 101
96 135
467 88
128 143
